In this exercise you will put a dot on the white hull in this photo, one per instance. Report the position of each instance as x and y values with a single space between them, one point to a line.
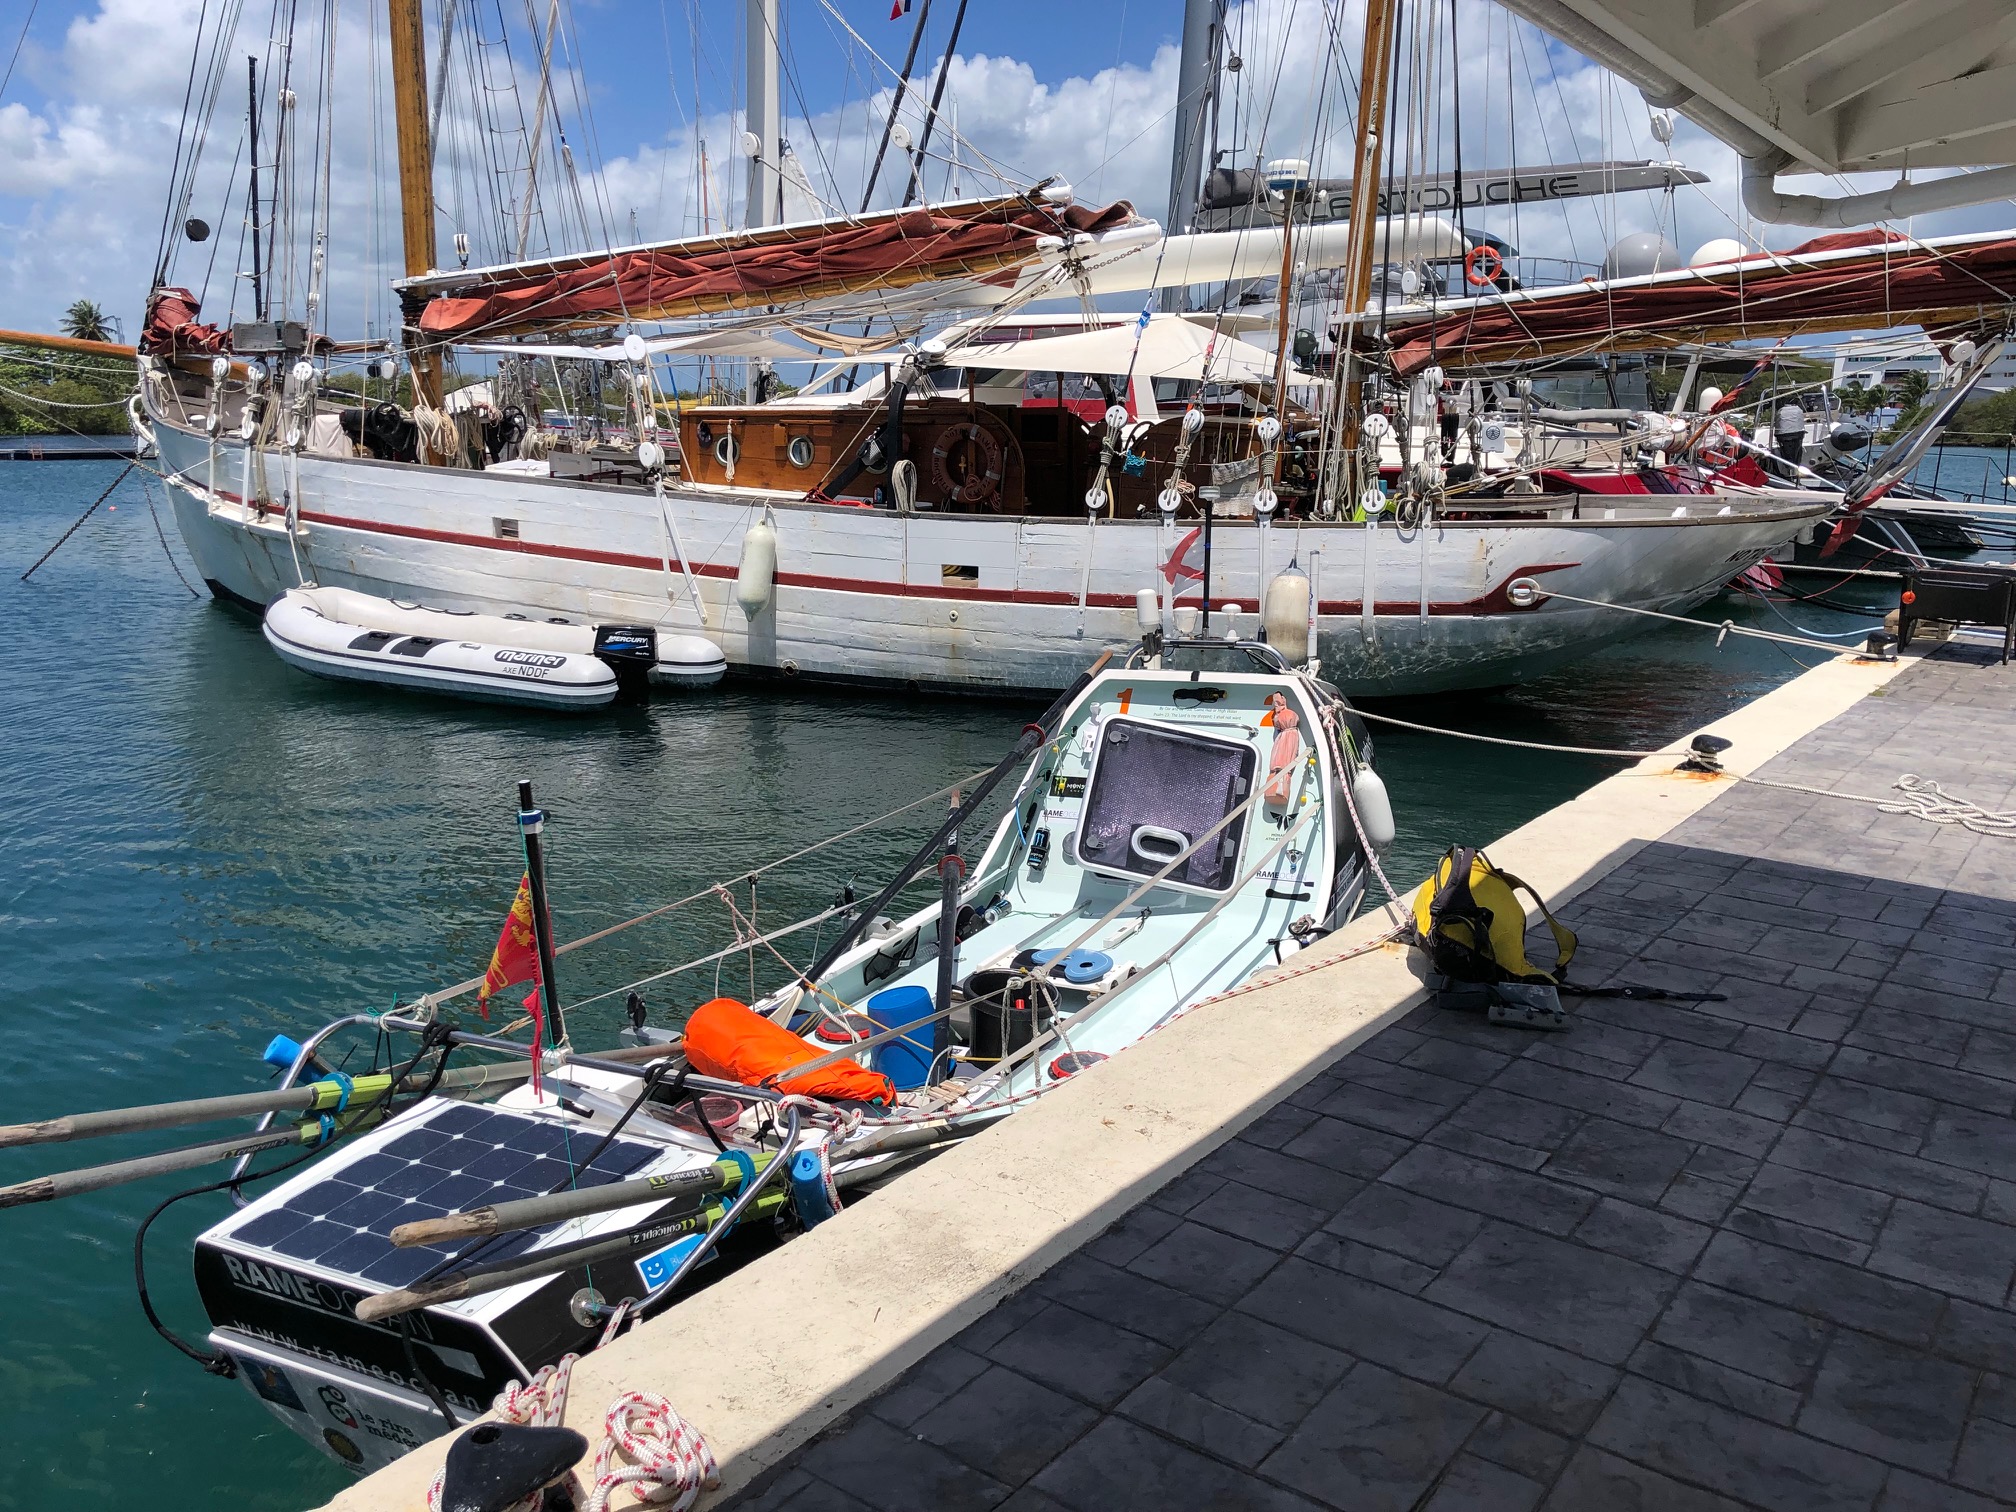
866 595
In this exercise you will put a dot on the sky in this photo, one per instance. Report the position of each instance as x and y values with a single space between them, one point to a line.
92 112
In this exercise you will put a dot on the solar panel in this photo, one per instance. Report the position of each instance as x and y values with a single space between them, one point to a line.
464 1156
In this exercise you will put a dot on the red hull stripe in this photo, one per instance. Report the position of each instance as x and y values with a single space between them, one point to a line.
1494 602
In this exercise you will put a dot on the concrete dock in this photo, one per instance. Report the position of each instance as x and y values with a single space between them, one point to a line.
1319 1245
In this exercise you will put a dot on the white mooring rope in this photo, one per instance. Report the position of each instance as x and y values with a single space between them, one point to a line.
669 1462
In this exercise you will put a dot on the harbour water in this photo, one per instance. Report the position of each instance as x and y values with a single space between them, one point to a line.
204 848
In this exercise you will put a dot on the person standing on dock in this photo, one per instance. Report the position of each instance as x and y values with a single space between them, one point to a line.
1788 429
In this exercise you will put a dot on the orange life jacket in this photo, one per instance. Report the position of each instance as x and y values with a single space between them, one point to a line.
728 1040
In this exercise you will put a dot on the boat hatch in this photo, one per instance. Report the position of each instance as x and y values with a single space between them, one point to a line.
1153 790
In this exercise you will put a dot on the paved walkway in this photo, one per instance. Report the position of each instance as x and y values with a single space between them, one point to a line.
1755 1254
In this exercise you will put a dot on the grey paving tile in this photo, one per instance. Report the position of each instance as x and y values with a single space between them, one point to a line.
1203 1262
1974 1141
1414 1226
1131 1301
1700 1198
1597 1305
1483 1187
1897 1404
1005 1425
1724 1128
1282 1174
816 1496
1640 1233
1361 1318
1715 1383
1587 1094
1599 1482
1470 1484
1131 1235
1795 1236
1348 1148
1467 1063
927 1383
1204 1425
1880 1107
1619 1159
1736 1455
1375 1444
1906 1492
1362 1260
1091 1360
1535 1382
1518 1445
1867 1165
1987 1458
1821 1288
1485 1147
1277 1126
1121 1467
1964 1256
1515 1120
1820 1202
1278 1223
1986 1094
894 1471
1268 1374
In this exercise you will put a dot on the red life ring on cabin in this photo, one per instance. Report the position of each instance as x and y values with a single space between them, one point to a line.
980 456
1481 265
1719 445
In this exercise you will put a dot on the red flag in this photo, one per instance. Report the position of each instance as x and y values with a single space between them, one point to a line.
516 958
899 10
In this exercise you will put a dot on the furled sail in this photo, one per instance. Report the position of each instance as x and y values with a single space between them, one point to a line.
1846 282
796 265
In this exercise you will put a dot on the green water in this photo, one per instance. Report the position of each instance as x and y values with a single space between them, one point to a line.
202 847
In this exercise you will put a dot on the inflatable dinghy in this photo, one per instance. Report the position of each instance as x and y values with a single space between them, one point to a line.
551 664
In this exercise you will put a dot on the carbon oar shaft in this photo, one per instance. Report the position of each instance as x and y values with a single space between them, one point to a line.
531 1212
310 1097
119 1172
479 1279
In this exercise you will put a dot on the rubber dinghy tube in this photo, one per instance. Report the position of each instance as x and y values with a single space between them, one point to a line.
1033 738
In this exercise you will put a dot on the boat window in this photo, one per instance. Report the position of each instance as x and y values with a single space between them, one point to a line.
1153 792
727 450
800 451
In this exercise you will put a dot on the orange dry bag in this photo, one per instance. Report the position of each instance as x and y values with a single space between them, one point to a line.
728 1040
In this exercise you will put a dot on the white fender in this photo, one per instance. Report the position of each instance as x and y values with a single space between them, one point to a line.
1375 807
756 577
1285 615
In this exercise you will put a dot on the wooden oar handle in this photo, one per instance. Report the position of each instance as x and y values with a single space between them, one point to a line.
391 1304
478 1223
41 1189
47 1132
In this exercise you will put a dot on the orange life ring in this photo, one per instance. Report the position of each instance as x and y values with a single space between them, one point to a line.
1482 265
982 481
1719 445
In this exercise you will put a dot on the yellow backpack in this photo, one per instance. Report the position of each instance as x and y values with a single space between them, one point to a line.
1468 920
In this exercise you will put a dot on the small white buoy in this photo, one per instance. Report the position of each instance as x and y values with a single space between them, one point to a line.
1722 249
1285 616
756 576
1375 807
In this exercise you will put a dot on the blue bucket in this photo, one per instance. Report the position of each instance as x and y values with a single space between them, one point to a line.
906 1060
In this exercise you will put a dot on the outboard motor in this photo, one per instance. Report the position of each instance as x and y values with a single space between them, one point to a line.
631 651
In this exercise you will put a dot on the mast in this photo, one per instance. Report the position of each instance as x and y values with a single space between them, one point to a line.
1196 83
763 117
252 191
416 179
1375 81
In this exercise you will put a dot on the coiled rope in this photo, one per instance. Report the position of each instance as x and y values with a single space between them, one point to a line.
669 1461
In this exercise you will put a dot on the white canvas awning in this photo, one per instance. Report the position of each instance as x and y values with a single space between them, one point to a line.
1171 346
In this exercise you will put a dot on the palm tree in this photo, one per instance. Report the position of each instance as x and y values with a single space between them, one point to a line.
85 321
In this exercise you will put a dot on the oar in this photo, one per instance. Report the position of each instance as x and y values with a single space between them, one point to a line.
721 1176
1033 737
532 1212
310 1097
119 1172
478 1279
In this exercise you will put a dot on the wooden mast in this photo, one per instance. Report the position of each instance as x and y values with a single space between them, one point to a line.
416 179
1374 83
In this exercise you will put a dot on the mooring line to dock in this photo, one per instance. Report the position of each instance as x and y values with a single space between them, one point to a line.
1726 627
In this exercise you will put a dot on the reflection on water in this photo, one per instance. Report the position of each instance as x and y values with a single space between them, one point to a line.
205 848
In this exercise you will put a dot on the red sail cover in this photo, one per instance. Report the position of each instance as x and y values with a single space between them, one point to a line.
765 268
172 327
1823 285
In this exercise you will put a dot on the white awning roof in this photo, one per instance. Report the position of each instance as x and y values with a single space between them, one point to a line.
1171 346
1840 86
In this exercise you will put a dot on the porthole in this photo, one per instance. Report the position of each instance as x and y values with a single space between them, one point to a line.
800 451
727 450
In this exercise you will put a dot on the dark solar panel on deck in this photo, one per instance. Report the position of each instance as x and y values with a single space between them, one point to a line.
462 1157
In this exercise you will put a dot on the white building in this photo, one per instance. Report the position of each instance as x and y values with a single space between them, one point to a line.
1875 363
